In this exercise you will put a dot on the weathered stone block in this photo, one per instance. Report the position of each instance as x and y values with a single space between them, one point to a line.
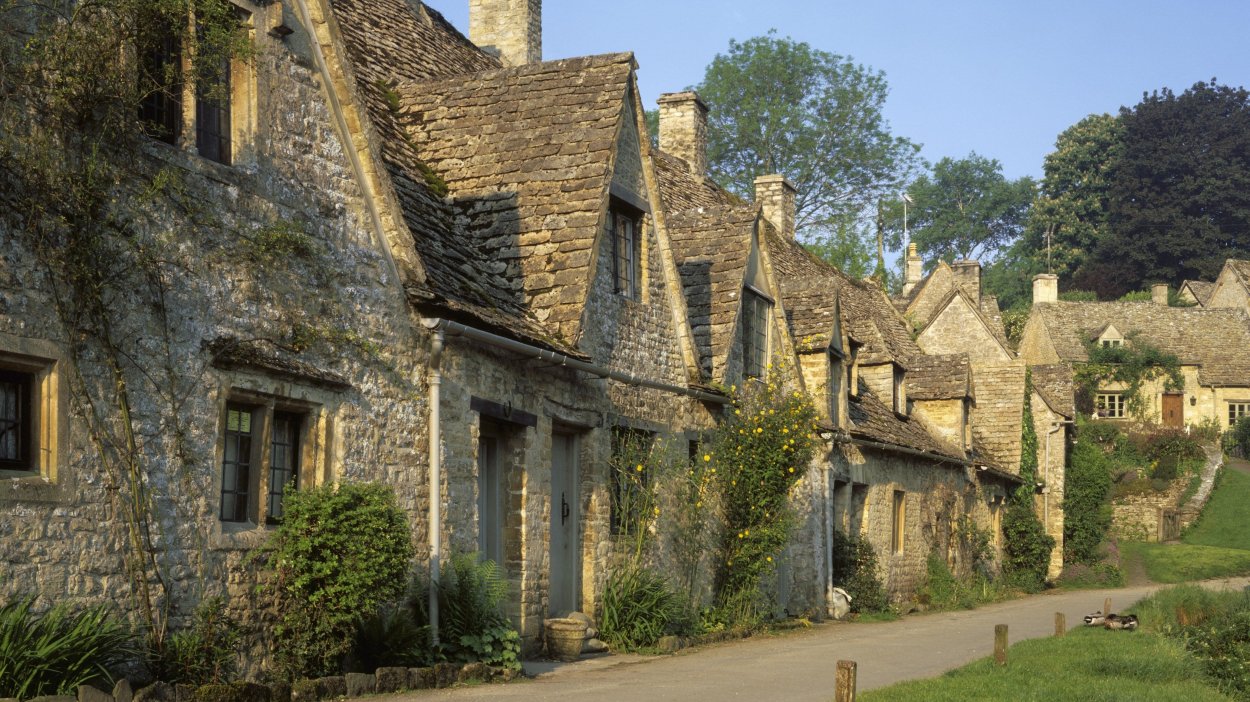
474 672
122 691
359 684
184 692
279 692
445 674
214 693
53 698
421 678
156 692
87 693
331 687
391 679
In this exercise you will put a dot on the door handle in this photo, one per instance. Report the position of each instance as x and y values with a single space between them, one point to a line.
564 509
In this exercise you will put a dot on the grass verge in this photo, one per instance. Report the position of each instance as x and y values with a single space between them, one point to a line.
1223 520
1092 665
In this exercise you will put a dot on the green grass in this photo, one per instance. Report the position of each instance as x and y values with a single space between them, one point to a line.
1217 546
1092 665
1178 563
1224 519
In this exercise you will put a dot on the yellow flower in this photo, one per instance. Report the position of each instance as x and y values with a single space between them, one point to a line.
739 535
747 532
707 457
791 469
770 559
759 430
639 468
657 511
699 503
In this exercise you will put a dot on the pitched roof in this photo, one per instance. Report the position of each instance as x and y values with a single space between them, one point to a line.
460 281
526 155
681 190
867 314
1055 386
1241 269
811 313
872 420
1201 290
939 377
997 414
1213 339
936 291
712 247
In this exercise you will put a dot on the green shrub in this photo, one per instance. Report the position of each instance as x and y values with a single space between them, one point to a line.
1080 576
1214 626
340 553
760 451
390 637
1237 439
497 646
1087 514
855 570
1027 546
55 652
471 594
203 654
638 607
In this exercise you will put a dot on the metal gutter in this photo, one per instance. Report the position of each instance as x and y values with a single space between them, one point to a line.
451 328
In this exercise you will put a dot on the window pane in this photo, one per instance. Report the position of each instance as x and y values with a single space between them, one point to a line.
212 115
236 465
283 460
10 420
160 84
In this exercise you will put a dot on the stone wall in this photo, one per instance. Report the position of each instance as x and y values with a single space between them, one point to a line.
1138 517
1051 460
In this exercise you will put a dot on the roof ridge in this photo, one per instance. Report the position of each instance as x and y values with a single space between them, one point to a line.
574 63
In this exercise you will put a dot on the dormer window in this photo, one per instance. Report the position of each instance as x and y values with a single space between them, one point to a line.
755 309
625 223
1112 343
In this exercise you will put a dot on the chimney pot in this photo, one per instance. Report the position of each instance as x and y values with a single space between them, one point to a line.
509 29
683 129
776 198
1159 294
914 270
1045 288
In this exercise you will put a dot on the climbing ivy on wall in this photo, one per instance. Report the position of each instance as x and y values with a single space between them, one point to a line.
1128 366
69 135
1027 546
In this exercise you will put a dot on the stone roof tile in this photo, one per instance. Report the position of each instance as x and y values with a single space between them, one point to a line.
939 377
872 420
1215 340
996 417
1201 289
1055 385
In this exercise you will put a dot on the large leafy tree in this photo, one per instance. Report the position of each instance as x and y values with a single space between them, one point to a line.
966 209
781 106
1071 209
1178 193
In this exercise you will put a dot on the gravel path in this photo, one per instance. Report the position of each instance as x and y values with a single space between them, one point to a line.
800 666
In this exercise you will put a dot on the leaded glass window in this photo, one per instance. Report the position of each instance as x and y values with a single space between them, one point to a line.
236 464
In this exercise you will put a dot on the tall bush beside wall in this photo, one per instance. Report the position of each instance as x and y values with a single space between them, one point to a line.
760 452
1087 514
340 553
1026 553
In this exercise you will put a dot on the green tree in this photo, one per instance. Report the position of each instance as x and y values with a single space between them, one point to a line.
966 209
1178 193
781 106
1072 205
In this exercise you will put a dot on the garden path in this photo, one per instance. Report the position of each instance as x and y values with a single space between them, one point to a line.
800 666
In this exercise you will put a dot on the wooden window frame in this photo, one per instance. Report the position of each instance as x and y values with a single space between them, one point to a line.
1106 409
625 226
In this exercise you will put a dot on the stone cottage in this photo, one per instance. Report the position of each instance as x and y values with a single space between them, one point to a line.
1208 342
398 254
1231 287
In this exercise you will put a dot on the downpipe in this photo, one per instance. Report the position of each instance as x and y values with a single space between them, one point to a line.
436 476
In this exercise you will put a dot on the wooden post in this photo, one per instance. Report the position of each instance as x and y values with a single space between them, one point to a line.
1061 626
844 690
1106 607
1000 644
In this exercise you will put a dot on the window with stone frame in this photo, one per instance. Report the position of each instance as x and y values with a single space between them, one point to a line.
898 522
1109 405
1112 343
17 413
836 374
222 113
755 311
1237 410
625 224
631 453
265 445
899 394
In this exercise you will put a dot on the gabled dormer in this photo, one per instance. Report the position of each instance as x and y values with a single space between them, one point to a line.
1108 337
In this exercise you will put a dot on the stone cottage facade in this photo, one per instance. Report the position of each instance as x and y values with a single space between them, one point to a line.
452 267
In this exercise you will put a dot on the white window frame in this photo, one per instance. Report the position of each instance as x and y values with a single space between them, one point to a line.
1237 409
1109 404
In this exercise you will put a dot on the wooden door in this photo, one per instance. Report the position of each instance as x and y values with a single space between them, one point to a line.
1173 410
564 594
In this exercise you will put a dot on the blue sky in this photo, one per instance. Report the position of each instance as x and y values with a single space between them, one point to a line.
1000 78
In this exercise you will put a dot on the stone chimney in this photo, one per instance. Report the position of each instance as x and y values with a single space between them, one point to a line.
1159 294
775 197
968 277
914 270
1045 288
509 29
683 129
